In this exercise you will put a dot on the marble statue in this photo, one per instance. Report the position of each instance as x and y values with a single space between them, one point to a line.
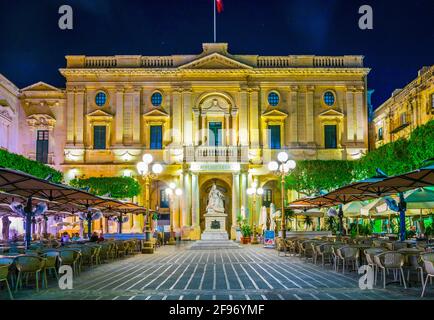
215 201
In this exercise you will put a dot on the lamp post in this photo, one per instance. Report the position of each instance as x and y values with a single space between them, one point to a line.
172 192
253 191
281 168
148 173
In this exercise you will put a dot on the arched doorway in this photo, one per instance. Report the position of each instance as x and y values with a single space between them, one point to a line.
224 188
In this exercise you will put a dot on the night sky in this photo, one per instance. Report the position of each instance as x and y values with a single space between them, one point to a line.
33 47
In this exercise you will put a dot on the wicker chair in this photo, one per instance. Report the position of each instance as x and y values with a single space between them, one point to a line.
51 263
369 255
104 253
399 245
290 245
428 260
348 255
281 247
324 251
4 272
306 250
391 261
27 265
88 255
121 248
71 257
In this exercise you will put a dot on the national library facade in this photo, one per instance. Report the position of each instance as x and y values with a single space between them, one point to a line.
208 118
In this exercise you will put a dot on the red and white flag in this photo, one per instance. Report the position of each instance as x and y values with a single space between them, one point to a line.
219 4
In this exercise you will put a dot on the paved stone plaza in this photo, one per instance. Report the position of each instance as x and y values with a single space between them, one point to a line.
250 273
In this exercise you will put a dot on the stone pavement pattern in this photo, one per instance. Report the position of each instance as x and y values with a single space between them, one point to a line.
250 273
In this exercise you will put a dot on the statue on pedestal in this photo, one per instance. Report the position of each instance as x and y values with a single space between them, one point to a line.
215 201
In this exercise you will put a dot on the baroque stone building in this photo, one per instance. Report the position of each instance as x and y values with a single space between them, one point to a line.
405 110
211 117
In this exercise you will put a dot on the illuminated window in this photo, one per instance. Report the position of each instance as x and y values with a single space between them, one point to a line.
274 137
99 137
403 118
329 98
42 146
330 137
100 99
156 99
156 137
164 199
267 198
380 133
432 101
273 99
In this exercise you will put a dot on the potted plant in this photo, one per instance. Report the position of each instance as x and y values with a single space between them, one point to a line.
246 233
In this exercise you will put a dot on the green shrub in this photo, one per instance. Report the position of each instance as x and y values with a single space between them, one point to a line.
116 187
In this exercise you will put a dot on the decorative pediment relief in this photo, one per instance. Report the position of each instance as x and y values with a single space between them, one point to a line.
41 86
99 115
274 114
331 113
215 61
156 113
41 121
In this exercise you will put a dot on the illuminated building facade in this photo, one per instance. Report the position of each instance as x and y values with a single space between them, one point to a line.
212 117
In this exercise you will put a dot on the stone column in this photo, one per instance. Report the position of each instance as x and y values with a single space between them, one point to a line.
234 114
254 117
293 139
136 115
176 118
186 202
235 202
196 127
227 130
204 128
310 137
70 136
79 116
243 190
195 206
350 114
243 130
361 120
119 118
188 123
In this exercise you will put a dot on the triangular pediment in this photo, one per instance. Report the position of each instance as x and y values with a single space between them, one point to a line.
156 113
274 113
331 113
99 113
215 61
40 86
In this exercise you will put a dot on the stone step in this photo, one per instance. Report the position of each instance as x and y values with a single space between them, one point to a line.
214 244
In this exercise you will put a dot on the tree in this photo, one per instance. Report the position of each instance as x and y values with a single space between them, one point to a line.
116 187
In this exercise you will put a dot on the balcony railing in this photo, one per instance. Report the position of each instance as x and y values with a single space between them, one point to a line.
216 154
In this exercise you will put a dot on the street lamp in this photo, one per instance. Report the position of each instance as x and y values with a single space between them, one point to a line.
253 191
172 192
281 168
148 173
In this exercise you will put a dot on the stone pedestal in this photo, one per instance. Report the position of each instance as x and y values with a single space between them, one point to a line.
215 226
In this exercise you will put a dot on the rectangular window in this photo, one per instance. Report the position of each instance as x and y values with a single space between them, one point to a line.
403 118
432 101
164 199
274 136
215 134
156 135
330 137
42 146
99 137
267 198
380 133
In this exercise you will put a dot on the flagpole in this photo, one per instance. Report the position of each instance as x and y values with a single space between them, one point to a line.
215 22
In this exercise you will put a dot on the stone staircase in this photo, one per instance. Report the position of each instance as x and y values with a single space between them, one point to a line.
214 245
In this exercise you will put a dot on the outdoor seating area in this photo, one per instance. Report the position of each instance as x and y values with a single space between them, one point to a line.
37 267
406 263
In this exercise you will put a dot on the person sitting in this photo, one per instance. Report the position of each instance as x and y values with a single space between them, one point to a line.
65 238
94 237
101 237
76 237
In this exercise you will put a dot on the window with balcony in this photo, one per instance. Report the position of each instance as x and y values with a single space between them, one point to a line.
380 134
156 136
330 135
403 118
215 134
99 137
267 198
274 136
42 146
164 199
